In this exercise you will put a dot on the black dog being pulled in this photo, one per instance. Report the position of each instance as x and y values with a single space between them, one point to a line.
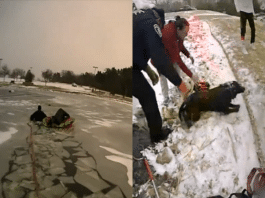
216 99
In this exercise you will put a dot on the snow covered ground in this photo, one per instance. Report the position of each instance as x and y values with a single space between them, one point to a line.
215 156
73 89
65 86
69 87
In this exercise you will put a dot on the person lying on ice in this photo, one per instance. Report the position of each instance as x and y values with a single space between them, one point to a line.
173 35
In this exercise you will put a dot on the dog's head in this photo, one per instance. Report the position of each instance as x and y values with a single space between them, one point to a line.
236 88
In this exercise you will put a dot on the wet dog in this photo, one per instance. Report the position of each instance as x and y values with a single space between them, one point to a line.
217 99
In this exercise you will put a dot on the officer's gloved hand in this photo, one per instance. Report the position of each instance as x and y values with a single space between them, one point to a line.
184 90
152 75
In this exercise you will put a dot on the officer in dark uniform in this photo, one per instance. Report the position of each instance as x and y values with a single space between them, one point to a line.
147 43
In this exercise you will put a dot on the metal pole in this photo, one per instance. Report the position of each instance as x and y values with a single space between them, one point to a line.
151 176
95 69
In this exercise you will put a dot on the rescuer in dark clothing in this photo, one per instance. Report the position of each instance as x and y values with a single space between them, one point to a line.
38 115
147 43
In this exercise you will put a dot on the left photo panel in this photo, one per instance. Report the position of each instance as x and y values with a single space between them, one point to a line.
66 99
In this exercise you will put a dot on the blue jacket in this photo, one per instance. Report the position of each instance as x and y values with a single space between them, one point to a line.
147 43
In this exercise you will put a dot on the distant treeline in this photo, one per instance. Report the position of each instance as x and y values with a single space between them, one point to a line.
115 81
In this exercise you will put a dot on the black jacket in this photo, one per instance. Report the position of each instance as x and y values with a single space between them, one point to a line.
38 116
147 43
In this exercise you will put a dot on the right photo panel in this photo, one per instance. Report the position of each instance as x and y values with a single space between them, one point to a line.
198 98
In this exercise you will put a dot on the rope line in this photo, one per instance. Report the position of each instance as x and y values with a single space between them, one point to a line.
33 159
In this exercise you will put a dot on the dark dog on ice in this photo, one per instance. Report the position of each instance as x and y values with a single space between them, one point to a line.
217 99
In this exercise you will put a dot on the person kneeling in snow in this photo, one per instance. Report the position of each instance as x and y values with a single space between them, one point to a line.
173 35
38 115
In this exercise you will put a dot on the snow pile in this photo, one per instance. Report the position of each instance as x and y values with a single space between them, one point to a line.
64 86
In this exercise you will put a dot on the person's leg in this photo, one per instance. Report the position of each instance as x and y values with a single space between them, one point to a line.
252 27
146 96
243 24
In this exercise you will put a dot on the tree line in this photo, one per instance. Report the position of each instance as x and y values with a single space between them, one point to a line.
15 73
115 81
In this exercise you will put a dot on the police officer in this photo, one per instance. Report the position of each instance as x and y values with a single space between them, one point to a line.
147 43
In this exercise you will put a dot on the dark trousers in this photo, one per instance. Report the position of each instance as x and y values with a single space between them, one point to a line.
147 98
243 21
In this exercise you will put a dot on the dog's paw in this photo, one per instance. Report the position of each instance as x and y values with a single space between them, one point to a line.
236 108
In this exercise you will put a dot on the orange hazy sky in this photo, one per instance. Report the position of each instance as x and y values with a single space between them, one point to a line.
66 35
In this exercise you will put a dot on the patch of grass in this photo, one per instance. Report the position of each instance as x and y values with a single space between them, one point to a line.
2 84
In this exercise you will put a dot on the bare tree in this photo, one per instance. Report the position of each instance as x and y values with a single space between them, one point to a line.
14 74
47 75
5 71
21 73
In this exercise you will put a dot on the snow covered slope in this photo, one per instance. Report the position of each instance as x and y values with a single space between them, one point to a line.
215 156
